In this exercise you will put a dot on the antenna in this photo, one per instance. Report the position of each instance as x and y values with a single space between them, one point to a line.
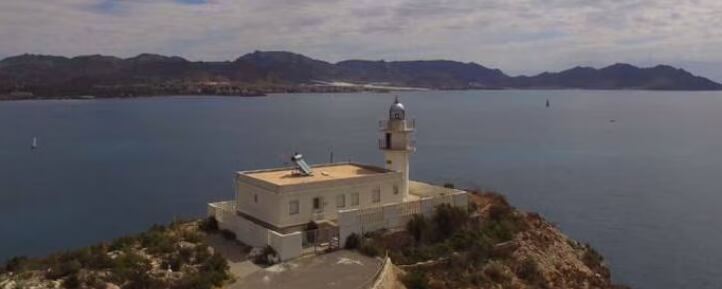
301 165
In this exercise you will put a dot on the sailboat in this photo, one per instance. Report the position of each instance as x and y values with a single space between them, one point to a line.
547 102
35 143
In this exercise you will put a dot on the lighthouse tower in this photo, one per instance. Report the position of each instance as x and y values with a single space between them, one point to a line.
397 143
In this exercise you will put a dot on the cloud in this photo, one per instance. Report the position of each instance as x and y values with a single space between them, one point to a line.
519 36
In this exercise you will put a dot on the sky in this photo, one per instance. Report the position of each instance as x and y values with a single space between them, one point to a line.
516 36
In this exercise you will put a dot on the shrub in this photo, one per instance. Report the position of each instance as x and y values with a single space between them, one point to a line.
416 280
98 257
500 212
370 248
447 220
209 224
122 243
530 271
480 250
496 272
128 265
157 242
201 253
95 282
193 237
462 240
352 242
64 268
501 230
228 235
71 282
16 264
157 228
267 257
418 227
591 257
219 264
442 249
174 262
449 185
142 280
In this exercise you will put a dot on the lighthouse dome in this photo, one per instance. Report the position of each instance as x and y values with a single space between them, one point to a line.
397 110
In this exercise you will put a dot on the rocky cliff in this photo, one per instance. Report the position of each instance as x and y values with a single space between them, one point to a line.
495 246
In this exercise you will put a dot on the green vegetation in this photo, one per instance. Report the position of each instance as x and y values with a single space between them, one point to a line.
490 244
416 279
209 225
173 256
352 242
459 240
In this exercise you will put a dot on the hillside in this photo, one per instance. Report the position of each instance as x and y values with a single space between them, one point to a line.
618 76
257 73
435 74
177 256
493 246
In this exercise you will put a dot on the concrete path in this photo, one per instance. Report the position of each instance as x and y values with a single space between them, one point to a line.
338 270
235 254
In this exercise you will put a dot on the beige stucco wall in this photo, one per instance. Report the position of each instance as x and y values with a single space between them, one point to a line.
246 231
360 221
257 201
272 204
288 246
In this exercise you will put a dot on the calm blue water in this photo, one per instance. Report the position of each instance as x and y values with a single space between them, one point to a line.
644 189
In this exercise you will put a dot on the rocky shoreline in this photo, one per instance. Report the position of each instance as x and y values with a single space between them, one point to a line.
492 245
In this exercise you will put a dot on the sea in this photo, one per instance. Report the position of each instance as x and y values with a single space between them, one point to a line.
637 174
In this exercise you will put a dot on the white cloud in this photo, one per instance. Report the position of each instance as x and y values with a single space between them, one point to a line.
518 36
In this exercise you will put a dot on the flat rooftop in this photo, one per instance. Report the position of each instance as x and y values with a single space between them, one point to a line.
327 172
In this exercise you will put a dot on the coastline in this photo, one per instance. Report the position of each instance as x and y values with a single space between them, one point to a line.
328 90
496 244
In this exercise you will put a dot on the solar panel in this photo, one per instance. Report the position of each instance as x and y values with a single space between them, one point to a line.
302 166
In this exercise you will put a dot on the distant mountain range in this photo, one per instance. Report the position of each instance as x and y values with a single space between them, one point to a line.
35 76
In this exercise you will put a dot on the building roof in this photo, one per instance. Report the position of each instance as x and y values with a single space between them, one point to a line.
327 172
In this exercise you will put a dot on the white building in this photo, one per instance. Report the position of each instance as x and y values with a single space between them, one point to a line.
275 206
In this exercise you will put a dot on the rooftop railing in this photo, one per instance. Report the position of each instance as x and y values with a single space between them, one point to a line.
410 125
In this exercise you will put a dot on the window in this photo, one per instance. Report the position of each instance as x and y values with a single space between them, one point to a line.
255 198
340 201
376 195
317 203
293 207
396 189
354 199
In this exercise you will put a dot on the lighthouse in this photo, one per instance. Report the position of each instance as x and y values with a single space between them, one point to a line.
397 143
